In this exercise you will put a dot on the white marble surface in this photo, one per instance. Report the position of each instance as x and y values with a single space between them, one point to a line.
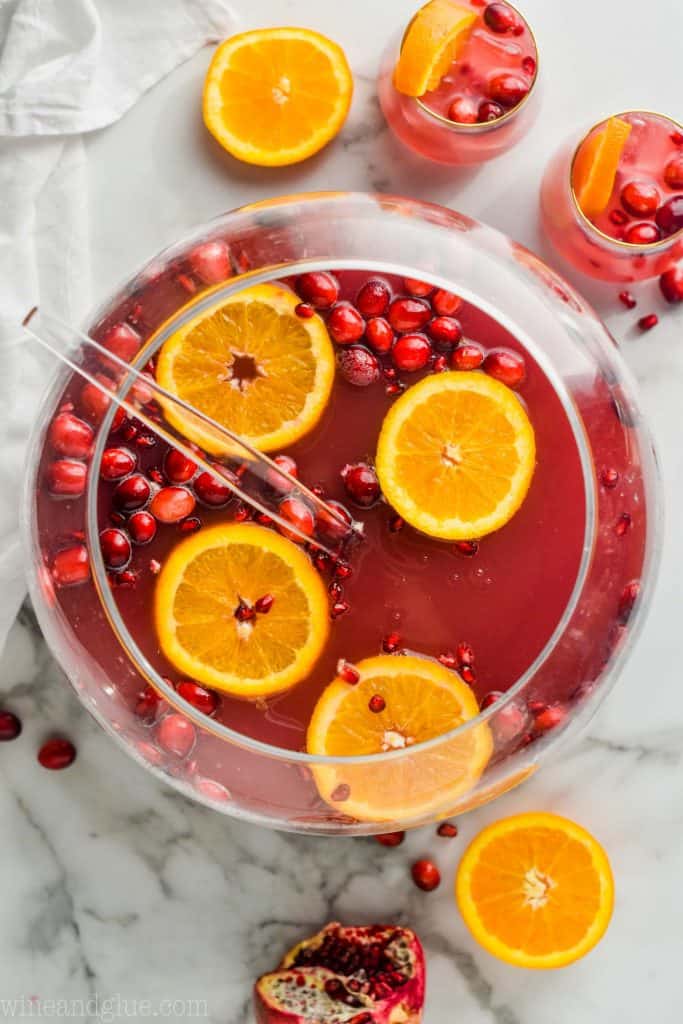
111 883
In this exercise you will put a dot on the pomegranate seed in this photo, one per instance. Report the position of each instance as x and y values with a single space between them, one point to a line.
122 341
142 527
377 703
671 284
623 524
340 793
673 172
348 672
505 366
643 233
640 198
445 303
132 493
389 373
408 314
116 548
242 513
244 612
335 590
440 364
129 431
358 366
379 335
391 643
609 477
464 652
264 604
145 440
417 288
373 299
669 216
396 523
446 830
444 330
489 111
345 324
331 528
468 548
186 282
71 436
210 491
318 288
508 90
448 659
176 735
304 310
529 65
627 600
171 504
468 674
10 726
490 699
425 873
339 608
677 138
57 754
124 580
66 478
154 566
646 323
627 299
177 467
342 570
147 704
467 356
71 566
463 110
201 699
116 463
411 352
618 217
94 403
210 261
361 483
278 482
299 514
390 838
550 718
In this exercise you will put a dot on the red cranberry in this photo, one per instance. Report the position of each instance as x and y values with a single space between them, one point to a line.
361 483
373 298
627 600
646 323
640 198
627 299
67 478
10 726
57 754
444 330
643 233
171 504
445 303
71 436
508 90
278 482
318 288
505 366
348 672
358 366
390 838
94 403
116 463
122 341
189 525
177 467
210 491
463 110
331 528
669 216
467 356
125 579
71 566
411 352
299 514
345 324
116 548
417 288
489 111
529 65
131 493
446 830
408 314
201 699
425 873
673 172
176 735
377 704
304 310
379 335
142 527
210 262
671 284
500 18
550 718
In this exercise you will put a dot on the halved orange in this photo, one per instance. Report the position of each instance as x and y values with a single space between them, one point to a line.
251 364
536 890
203 582
276 96
433 40
596 164
422 700
456 455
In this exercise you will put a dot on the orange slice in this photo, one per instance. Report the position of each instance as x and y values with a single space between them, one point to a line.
596 164
251 364
456 455
536 890
202 583
432 42
276 96
422 700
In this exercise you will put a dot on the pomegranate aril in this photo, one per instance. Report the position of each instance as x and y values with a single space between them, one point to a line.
446 830
358 366
154 566
335 590
116 463
411 352
203 700
448 659
669 216
348 672
340 793
67 478
609 477
345 324
444 330
318 288
408 314
330 527
126 579
264 603
10 726
377 703
361 483
529 65
304 310
373 299
468 674
489 111
671 284
396 524
147 704
490 699
338 609
171 504
640 198
299 514
463 110
145 440
467 356
440 364
627 299
643 233
468 548
56 754
116 548
176 735
627 600
646 323
391 643
177 467
464 652
426 875
618 217
210 262
505 366
210 491
673 172
391 839
417 288
507 89
379 335
550 718
71 436
132 493
71 566
342 570
623 524
445 303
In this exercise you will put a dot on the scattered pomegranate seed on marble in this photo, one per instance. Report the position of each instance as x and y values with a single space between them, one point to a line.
56 754
447 830
646 323
627 299
426 875
10 726
391 839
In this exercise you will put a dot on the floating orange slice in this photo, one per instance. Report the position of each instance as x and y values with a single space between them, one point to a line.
596 164
456 455
251 364
536 890
432 42
276 96
203 582
422 699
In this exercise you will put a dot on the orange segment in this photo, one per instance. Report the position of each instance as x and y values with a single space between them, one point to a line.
456 455
251 364
432 42
596 164
422 700
199 588
536 890
276 96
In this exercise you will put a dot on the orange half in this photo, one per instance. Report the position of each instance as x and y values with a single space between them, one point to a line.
433 40
596 164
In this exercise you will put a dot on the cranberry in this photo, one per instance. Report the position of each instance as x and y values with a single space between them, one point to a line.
445 303
446 830
147 704
189 525
411 352
643 233
210 262
673 172
627 600
646 323
304 310
508 90
444 330
299 514
391 643
640 198
177 467
348 672
345 324
201 699
408 314
142 527
71 436
467 356
122 341
263 604
318 288
358 366
373 298
669 216
550 718
71 566
176 735
116 463
116 548
627 299
463 110
330 527
425 873
390 838
671 284
529 65
505 366
67 478
131 493
489 111
500 18
377 704
171 504
10 726
379 335
94 403
278 482
361 483
57 754
417 288
618 217
210 491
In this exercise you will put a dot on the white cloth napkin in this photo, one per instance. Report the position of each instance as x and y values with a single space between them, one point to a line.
66 67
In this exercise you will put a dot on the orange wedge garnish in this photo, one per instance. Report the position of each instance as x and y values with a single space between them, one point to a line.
432 42
536 890
276 96
596 164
